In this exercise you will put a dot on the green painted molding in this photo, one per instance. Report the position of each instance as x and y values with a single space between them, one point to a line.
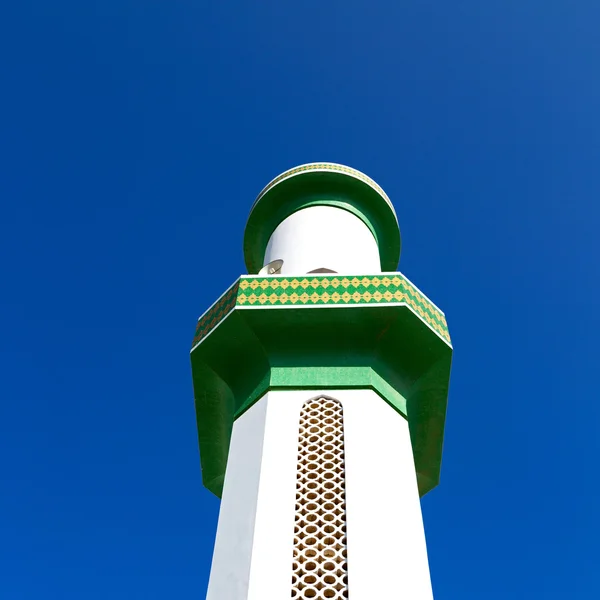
374 332
322 184
326 378
312 167
326 290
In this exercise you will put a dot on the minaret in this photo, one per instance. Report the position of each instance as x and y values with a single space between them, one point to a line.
321 382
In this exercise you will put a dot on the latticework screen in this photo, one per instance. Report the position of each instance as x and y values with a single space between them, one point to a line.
320 566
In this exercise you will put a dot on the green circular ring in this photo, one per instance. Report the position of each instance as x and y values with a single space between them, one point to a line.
322 184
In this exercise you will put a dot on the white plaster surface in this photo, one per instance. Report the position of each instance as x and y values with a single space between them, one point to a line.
387 555
232 553
271 574
323 237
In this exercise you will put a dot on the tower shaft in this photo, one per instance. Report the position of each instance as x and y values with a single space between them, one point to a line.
263 545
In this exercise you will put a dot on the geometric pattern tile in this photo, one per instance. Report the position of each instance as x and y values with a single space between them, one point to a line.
329 290
216 313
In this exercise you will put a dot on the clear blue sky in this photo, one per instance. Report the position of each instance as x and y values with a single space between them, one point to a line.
134 136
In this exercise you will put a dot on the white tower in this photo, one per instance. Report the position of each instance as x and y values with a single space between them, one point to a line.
321 385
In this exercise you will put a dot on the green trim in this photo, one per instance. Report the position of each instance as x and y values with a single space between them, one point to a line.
322 184
307 203
216 313
323 378
255 347
324 167
327 290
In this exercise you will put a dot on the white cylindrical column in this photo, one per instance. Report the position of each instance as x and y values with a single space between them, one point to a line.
323 237
385 550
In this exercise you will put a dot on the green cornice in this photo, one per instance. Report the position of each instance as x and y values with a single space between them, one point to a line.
373 332
391 289
323 378
322 184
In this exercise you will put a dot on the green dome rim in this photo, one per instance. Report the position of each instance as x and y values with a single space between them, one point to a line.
322 184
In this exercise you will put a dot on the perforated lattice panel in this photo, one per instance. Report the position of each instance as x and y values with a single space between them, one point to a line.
320 567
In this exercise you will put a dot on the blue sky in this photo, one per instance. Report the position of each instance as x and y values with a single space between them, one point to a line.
134 138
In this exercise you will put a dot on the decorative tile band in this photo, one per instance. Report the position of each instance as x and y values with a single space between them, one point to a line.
216 313
336 290
325 167
331 290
